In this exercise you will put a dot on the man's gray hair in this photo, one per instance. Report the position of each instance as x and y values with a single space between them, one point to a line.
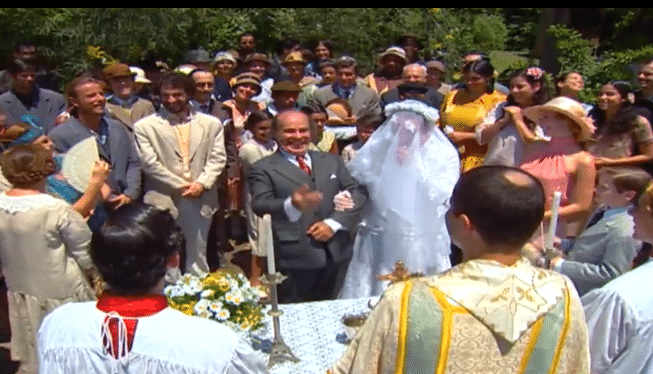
414 65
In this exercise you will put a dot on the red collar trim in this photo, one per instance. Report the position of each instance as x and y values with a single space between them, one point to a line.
132 306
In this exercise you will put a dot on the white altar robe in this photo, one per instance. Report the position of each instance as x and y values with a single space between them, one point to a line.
69 341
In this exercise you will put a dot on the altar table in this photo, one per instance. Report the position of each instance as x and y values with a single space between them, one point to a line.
313 331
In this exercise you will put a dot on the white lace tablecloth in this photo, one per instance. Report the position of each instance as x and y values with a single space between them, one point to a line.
314 333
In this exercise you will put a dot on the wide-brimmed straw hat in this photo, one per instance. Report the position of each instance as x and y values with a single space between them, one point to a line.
139 75
117 70
571 109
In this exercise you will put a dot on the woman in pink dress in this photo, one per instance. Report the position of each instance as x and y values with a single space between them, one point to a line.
561 164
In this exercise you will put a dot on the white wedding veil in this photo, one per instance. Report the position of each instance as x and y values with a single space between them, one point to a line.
407 162
409 168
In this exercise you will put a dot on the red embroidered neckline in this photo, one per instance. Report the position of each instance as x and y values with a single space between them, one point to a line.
132 306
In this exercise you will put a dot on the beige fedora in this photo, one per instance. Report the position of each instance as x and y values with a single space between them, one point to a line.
571 109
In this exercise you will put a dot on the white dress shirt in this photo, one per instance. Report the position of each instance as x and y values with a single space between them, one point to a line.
293 213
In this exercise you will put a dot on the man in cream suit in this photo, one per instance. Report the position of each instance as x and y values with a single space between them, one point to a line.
182 153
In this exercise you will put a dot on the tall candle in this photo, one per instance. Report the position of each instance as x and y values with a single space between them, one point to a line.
548 242
265 240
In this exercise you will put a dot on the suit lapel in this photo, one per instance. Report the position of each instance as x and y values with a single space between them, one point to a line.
168 134
121 114
16 107
290 171
81 132
320 171
196 135
599 227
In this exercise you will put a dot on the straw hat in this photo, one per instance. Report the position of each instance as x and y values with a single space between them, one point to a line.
185 69
294 57
224 56
571 109
286 86
394 51
198 55
435 64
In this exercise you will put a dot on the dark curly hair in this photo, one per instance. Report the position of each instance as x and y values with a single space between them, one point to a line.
24 165
132 248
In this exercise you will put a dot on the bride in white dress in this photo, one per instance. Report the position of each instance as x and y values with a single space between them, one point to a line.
409 168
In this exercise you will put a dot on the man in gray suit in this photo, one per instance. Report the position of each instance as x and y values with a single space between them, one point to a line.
87 119
361 98
26 97
296 187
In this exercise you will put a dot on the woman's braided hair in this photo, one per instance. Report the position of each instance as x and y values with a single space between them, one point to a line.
27 164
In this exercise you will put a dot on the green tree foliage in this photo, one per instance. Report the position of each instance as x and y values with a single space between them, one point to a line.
577 54
522 25
73 39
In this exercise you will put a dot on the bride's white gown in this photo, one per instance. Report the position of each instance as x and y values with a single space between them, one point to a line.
409 168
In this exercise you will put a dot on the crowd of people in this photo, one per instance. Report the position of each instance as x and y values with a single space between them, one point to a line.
135 175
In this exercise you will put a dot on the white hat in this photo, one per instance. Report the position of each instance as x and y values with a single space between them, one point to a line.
139 75
185 69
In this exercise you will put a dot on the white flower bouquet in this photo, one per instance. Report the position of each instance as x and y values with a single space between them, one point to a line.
220 296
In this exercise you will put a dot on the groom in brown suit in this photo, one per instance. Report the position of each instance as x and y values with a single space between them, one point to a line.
312 241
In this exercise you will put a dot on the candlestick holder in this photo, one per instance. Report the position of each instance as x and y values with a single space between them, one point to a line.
280 350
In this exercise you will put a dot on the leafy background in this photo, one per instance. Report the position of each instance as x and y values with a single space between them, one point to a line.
601 43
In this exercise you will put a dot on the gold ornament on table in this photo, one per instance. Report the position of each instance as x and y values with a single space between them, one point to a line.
400 273
353 322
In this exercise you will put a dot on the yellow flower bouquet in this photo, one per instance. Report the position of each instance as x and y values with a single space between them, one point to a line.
220 296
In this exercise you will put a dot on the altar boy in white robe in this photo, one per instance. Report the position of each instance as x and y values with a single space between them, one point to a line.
131 329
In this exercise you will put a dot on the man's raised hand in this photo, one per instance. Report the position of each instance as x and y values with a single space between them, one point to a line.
305 199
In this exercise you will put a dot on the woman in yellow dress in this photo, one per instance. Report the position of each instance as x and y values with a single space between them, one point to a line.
463 109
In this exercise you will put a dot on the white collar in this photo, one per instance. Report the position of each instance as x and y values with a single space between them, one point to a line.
13 204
